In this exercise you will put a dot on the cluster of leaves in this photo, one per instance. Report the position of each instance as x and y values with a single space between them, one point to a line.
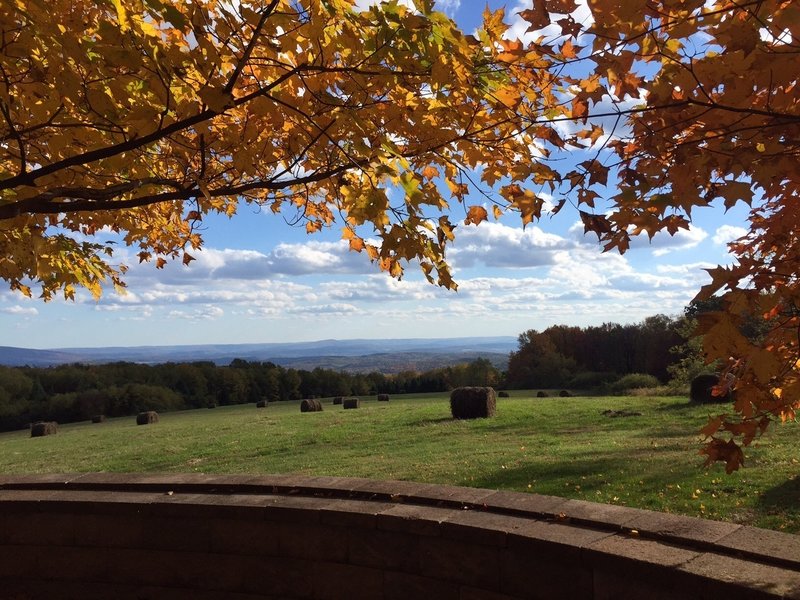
718 119
139 117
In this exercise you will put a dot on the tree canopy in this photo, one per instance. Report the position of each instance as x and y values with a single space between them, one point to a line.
139 117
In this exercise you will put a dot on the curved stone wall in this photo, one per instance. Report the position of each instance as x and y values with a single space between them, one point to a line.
199 537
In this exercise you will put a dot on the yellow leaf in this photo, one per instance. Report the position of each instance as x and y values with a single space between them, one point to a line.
122 15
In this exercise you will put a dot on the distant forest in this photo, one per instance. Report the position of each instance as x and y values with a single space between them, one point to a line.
594 358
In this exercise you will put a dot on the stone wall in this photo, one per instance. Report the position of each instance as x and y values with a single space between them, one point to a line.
202 537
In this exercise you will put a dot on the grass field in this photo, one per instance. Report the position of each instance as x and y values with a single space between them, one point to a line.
559 446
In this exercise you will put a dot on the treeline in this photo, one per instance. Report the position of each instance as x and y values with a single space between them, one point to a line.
591 357
76 392
605 358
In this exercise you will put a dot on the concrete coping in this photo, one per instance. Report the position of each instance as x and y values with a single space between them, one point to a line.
480 511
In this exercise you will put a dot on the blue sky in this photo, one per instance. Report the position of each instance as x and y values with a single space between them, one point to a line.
262 280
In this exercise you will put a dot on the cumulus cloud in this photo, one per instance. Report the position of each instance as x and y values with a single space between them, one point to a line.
283 260
325 309
728 233
203 313
498 245
380 288
23 311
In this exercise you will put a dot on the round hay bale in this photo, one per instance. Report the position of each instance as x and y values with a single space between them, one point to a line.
702 388
147 417
564 394
503 395
262 404
310 405
383 397
351 403
42 428
99 419
541 394
338 399
472 402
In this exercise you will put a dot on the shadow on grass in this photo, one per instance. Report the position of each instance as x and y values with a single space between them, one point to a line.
782 497
549 477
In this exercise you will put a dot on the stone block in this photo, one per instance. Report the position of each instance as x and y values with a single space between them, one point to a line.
679 528
737 579
384 549
773 546
416 519
313 542
469 593
362 514
237 536
459 562
402 586
540 577
278 576
450 495
346 582
533 505
553 540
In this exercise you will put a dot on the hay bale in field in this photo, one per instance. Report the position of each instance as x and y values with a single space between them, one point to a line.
310 405
147 417
503 395
541 394
701 390
472 402
338 399
99 419
262 404
351 403
383 397
564 394
42 428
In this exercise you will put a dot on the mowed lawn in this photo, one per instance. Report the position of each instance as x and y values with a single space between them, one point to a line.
558 446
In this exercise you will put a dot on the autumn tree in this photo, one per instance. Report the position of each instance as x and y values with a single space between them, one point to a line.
139 117
704 97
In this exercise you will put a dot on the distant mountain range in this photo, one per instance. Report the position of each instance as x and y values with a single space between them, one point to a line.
387 356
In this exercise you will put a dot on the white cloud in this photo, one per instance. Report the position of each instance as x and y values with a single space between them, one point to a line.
311 257
26 311
684 239
204 313
380 288
728 233
325 309
498 245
